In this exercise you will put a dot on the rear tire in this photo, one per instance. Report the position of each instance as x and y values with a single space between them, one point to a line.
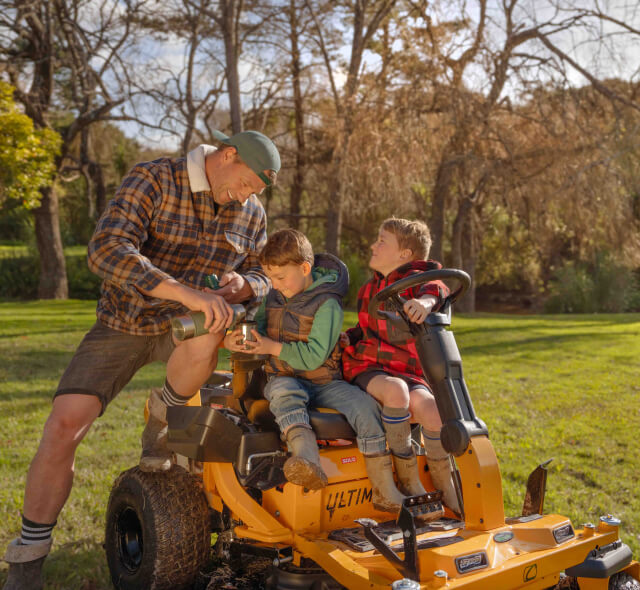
158 534
623 581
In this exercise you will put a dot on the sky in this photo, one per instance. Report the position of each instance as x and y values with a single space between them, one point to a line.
620 57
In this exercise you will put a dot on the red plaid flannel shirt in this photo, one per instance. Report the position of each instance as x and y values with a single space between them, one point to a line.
156 228
379 344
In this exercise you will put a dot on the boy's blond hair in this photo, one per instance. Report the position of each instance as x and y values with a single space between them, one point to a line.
286 246
414 235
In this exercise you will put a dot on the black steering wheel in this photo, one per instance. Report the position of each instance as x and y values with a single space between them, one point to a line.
393 290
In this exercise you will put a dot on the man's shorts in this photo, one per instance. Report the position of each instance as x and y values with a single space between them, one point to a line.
107 359
363 379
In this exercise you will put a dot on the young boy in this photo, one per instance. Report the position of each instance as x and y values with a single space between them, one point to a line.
381 358
298 325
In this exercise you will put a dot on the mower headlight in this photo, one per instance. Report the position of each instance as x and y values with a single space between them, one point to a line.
563 533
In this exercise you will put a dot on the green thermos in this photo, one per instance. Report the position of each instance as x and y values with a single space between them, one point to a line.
191 325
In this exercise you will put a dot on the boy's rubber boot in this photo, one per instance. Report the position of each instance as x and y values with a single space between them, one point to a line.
155 454
398 430
385 495
303 467
25 565
440 470
408 477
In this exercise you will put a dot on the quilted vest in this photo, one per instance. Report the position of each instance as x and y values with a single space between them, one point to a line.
290 320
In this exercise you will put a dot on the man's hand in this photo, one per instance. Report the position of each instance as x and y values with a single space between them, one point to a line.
418 309
218 315
234 288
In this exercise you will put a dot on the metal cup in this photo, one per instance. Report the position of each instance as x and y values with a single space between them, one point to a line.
245 329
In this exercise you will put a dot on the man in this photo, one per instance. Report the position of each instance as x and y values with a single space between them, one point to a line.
172 222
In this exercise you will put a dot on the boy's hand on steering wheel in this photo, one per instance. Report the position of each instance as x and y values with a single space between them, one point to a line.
418 309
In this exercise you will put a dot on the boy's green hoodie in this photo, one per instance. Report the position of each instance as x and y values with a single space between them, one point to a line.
307 349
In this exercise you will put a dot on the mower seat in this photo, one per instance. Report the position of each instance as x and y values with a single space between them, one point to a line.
328 424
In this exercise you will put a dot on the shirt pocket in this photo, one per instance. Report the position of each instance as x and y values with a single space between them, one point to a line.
242 245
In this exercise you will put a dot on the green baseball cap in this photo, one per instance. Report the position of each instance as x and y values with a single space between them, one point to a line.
256 150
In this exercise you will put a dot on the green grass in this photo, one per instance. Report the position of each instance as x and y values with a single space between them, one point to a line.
547 386
13 250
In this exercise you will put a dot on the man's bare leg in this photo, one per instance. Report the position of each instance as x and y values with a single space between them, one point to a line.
188 367
192 362
50 475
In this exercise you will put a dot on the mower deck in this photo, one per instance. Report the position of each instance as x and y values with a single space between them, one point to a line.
520 554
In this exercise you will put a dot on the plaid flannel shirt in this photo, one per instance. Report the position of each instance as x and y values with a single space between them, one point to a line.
162 224
382 344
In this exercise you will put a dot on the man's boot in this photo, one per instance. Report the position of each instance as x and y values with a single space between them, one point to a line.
385 495
407 473
155 454
25 565
440 469
303 467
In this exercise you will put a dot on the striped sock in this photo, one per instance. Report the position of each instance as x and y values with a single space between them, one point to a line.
398 430
170 397
34 533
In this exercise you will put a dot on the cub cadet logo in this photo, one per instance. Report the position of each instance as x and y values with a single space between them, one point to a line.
348 459
530 573
469 563
349 498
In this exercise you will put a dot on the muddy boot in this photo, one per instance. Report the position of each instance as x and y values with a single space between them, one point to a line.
440 469
303 467
408 477
155 454
385 495
25 565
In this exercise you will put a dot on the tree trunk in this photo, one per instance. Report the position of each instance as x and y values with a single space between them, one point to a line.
97 178
232 52
53 271
336 198
297 185
439 203
467 303
463 254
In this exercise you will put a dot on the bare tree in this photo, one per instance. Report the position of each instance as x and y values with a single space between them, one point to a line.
65 57
484 60
185 94
363 20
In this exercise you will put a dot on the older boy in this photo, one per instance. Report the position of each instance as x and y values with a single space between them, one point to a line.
298 325
381 357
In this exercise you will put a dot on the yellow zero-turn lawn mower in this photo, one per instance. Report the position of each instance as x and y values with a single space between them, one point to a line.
228 480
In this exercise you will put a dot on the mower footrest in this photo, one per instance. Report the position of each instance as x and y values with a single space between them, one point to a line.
389 531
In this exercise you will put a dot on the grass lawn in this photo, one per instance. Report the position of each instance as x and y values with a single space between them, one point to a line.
565 387
10 250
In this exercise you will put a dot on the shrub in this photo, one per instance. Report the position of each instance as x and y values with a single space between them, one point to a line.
358 275
605 286
19 277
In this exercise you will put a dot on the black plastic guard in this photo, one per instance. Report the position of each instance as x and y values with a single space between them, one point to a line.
602 562
203 434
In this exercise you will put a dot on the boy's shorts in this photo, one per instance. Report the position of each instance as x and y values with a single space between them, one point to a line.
363 379
107 359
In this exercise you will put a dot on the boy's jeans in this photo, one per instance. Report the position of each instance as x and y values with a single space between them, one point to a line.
289 397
